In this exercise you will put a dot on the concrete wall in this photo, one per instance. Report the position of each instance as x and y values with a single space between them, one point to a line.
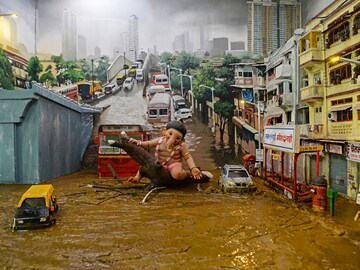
43 135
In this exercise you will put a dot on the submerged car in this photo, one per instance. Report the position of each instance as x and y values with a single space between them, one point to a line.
235 178
36 208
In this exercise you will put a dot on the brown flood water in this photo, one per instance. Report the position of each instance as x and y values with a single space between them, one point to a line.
176 229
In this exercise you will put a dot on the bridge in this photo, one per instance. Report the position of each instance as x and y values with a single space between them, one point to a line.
117 67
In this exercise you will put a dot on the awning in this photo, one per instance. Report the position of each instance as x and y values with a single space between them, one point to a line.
356 107
237 120
269 116
340 108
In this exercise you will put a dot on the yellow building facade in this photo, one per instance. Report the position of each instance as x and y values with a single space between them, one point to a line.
331 89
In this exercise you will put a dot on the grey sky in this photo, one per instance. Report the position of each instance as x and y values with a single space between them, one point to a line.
102 21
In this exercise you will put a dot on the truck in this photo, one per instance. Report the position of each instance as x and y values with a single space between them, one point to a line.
139 74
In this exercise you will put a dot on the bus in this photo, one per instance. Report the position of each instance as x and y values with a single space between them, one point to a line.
159 109
71 91
113 161
159 78
154 89
120 79
87 89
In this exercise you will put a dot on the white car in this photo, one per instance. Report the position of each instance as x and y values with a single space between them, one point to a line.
235 178
128 83
183 113
98 95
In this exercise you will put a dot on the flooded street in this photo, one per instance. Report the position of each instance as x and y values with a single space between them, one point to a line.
184 228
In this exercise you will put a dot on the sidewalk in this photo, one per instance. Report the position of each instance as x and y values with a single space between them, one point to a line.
342 222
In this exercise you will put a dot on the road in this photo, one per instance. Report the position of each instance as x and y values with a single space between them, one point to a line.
185 228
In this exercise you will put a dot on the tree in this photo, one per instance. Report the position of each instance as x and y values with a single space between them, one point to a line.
6 73
48 78
186 62
34 68
166 57
225 110
101 70
67 71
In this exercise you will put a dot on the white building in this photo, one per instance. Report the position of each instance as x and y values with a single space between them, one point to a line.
69 36
133 37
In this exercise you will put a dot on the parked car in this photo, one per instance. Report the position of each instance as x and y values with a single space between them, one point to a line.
36 208
183 113
128 83
109 89
235 178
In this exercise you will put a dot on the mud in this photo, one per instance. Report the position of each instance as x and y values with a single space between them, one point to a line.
183 228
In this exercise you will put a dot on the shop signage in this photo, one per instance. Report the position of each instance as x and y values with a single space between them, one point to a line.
335 148
283 138
353 152
311 148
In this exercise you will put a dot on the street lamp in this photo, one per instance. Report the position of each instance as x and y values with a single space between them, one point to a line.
191 89
14 15
212 101
338 58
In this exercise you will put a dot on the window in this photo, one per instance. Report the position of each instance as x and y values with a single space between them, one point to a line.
341 101
163 112
345 115
341 32
340 73
153 112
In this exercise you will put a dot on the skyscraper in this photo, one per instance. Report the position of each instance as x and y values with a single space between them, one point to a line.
81 53
133 37
271 23
182 42
97 52
220 45
69 35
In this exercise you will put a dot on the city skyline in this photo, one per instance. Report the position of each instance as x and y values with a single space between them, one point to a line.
160 21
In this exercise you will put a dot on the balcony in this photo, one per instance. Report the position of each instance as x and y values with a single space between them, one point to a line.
310 57
283 71
287 100
244 81
312 93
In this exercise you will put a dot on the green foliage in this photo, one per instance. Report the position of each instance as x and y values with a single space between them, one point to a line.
166 57
186 62
224 108
34 68
6 73
101 69
67 71
204 76
48 78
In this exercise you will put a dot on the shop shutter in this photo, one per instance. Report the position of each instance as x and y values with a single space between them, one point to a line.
313 167
338 173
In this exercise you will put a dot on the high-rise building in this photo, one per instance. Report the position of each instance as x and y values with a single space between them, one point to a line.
81 53
220 45
69 35
182 42
133 37
237 45
271 23
202 38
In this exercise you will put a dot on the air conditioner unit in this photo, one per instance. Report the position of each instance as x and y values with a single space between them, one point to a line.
332 116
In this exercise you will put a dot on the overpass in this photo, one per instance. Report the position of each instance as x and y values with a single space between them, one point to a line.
117 67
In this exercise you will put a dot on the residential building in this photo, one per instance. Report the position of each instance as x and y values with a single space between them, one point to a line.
97 52
133 37
283 106
69 36
271 23
332 92
249 93
182 43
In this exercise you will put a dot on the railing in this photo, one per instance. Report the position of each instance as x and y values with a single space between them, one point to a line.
312 93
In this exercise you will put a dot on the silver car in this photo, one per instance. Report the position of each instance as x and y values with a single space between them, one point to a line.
235 178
